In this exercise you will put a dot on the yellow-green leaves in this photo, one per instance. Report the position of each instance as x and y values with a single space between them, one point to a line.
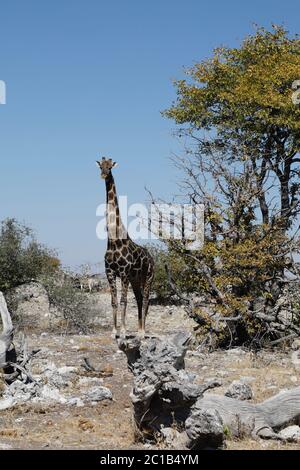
235 85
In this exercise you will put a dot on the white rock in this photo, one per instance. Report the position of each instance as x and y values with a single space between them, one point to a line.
7 403
90 380
4 446
75 401
291 433
20 392
98 394
67 370
296 344
59 377
52 394
239 390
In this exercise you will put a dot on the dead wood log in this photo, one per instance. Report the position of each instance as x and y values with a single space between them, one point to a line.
164 394
241 418
14 365
7 351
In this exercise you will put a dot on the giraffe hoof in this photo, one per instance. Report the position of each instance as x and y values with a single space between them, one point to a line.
141 334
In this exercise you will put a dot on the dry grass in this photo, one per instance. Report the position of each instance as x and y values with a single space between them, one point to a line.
108 425
252 444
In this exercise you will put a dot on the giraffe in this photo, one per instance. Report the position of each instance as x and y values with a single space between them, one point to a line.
124 259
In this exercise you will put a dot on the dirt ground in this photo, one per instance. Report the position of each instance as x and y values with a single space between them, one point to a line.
108 424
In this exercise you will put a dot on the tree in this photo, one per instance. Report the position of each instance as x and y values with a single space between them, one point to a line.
242 134
243 97
185 280
22 258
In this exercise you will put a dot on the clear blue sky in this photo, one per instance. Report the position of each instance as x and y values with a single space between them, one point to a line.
90 77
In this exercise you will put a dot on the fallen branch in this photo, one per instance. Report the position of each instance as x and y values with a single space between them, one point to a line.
189 308
88 366
263 420
14 366
284 338
6 337
166 397
103 371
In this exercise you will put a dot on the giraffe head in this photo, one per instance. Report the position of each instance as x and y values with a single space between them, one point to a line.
106 166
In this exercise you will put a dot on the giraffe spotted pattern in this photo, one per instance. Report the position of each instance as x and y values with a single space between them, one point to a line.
124 259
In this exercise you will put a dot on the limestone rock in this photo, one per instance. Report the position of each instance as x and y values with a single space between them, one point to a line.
239 390
98 394
291 433
204 428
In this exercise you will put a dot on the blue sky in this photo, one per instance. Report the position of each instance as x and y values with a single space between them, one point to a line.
90 77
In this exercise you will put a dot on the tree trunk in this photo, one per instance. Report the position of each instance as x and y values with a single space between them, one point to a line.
166 397
6 336
242 418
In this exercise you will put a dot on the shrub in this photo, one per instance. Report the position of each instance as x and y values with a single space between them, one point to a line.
22 258
75 306
181 273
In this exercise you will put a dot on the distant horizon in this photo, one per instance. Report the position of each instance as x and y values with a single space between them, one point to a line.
86 79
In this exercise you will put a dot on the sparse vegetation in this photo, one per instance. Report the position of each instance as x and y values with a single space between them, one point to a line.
180 271
22 257
242 138
73 305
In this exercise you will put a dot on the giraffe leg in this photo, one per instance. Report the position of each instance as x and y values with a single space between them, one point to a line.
114 300
137 290
123 303
146 295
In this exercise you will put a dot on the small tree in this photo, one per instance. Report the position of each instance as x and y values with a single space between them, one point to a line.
183 276
76 308
22 258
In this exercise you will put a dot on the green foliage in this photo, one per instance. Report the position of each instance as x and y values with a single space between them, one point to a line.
237 110
242 97
75 306
246 88
22 258
181 274
227 432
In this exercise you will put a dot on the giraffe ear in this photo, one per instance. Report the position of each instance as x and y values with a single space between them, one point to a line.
114 164
98 163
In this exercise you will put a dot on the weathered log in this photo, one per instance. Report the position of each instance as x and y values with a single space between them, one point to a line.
241 418
164 395
162 391
6 350
14 365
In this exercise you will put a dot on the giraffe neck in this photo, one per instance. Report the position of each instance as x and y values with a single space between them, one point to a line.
115 227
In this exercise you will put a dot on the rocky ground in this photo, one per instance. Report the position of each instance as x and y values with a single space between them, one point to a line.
71 408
